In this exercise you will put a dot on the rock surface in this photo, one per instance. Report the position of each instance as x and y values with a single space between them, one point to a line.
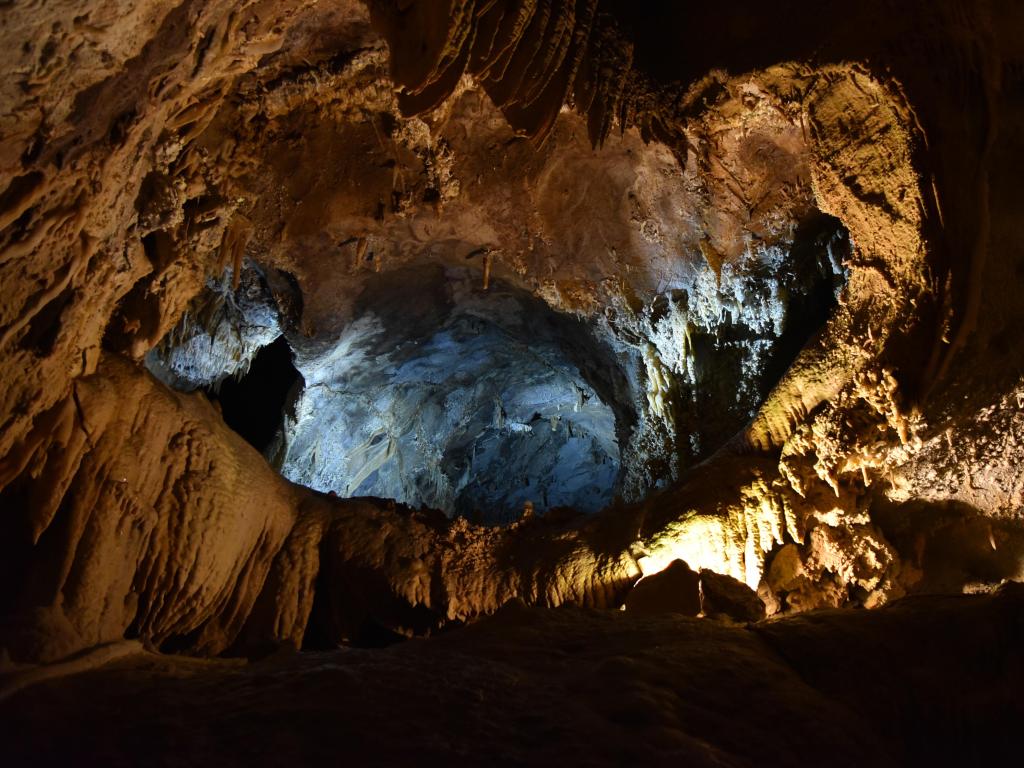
928 681
673 590
723 596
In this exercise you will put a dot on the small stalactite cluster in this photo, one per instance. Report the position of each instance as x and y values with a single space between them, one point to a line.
531 57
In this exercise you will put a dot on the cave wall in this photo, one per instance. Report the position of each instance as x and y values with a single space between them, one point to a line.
194 549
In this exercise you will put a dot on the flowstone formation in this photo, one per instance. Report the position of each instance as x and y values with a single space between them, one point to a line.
340 323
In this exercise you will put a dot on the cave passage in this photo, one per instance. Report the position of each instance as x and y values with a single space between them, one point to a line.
441 394
486 403
821 245
253 403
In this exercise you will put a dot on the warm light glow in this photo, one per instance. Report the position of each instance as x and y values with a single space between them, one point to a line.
732 541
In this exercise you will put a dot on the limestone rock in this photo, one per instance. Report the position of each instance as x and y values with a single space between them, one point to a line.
723 596
673 590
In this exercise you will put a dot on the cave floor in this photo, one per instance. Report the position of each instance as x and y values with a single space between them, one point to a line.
926 681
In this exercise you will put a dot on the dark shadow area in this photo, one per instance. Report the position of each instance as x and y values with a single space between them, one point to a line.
253 405
738 363
950 547
819 247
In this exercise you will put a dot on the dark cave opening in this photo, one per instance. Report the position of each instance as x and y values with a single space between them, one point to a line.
772 308
821 246
253 404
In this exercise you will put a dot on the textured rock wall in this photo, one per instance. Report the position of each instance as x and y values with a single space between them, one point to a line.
169 543
187 545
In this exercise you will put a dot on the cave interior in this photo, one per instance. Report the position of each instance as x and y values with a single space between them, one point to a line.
511 382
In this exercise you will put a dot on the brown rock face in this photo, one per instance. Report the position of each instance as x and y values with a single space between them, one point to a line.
765 258
679 589
725 597
674 590
551 687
